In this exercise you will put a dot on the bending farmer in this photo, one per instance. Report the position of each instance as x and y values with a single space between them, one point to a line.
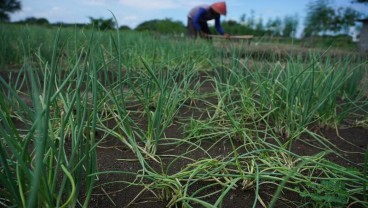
198 17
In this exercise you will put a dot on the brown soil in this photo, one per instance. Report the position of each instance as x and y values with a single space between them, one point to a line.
111 154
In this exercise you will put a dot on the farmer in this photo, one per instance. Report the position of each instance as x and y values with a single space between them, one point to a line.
198 17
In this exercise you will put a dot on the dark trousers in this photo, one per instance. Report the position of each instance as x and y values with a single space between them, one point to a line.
192 32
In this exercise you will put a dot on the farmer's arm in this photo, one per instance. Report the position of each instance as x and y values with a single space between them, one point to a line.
197 17
218 26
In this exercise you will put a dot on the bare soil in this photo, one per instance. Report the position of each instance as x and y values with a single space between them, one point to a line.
111 155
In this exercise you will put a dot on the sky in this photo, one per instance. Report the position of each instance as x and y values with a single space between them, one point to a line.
134 12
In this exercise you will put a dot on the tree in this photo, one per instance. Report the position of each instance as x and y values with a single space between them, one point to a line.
251 22
235 28
8 6
242 18
248 25
124 27
274 26
319 17
290 26
344 19
361 1
162 26
259 25
102 24
36 21
322 19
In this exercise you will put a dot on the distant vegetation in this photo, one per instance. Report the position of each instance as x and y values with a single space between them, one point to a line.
165 26
324 24
34 20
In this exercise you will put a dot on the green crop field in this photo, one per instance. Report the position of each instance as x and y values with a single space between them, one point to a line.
120 118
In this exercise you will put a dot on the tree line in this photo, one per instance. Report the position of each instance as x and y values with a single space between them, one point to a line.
321 19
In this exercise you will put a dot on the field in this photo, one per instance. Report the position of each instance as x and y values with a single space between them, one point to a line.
126 119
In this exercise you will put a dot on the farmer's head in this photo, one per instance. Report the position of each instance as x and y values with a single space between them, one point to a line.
219 7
